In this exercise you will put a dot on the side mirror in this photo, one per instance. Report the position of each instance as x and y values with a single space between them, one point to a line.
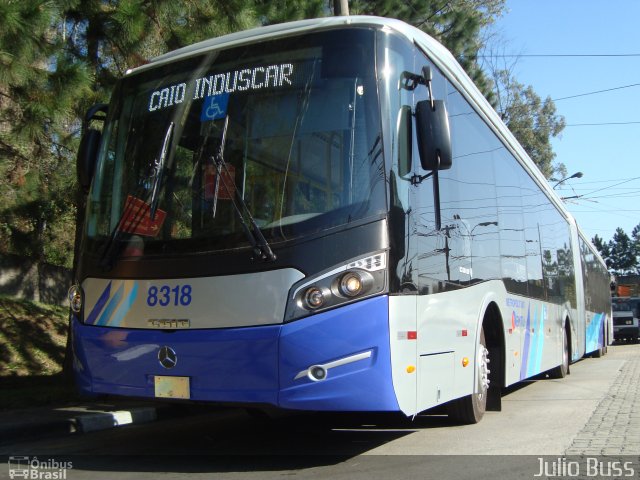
89 144
434 135
405 140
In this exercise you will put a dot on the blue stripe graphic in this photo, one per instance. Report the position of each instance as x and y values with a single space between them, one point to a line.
113 303
543 318
124 307
525 349
594 338
97 308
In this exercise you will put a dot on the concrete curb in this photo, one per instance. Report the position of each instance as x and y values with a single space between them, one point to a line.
93 422
39 425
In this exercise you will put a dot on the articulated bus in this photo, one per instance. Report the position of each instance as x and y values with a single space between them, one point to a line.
323 215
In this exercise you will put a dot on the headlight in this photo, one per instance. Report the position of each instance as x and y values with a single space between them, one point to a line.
314 298
350 284
75 298
355 280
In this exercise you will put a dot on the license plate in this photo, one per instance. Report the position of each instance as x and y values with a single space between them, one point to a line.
172 387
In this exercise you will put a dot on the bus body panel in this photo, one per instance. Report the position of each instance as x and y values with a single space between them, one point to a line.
404 350
352 344
446 330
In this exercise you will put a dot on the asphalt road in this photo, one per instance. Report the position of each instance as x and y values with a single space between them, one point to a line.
539 418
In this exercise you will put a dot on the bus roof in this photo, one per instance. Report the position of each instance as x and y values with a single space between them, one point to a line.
440 56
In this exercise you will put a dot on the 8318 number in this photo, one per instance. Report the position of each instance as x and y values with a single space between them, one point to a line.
163 296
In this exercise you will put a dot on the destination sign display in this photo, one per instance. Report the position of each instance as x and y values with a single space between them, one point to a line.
241 80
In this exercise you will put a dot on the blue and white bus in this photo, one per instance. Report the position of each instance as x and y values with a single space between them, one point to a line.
323 215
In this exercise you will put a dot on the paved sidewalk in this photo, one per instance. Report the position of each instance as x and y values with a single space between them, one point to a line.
614 427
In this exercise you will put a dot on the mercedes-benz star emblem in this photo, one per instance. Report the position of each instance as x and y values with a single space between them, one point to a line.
167 357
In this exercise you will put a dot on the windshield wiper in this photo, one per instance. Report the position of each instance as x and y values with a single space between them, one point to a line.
133 210
259 244
158 169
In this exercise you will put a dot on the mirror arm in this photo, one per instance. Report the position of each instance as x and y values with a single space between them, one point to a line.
417 179
410 81
436 200
427 79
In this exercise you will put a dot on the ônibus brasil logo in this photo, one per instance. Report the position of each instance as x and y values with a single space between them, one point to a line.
33 468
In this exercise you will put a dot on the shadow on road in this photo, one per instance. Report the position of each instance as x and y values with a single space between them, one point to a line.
233 441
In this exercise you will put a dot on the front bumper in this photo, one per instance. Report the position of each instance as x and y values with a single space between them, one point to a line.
624 331
251 365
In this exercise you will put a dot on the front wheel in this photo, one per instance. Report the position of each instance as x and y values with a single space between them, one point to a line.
470 409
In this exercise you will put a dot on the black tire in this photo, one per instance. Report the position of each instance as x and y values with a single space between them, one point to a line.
562 370
471 409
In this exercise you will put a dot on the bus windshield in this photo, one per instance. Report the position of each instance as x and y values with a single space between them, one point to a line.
283 135
621 307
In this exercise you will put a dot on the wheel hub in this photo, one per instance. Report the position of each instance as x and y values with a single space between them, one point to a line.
483 370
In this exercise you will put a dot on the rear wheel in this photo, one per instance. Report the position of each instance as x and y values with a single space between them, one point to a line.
470 409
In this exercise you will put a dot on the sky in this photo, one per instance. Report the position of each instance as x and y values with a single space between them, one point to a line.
600 47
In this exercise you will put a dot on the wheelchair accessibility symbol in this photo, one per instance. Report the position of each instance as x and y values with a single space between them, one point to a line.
214 107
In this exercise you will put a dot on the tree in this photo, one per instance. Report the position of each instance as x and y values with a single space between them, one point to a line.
621 253
623 258
635 238
39 87
271 12
112 37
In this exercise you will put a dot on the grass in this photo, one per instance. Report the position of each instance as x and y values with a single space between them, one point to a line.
32 349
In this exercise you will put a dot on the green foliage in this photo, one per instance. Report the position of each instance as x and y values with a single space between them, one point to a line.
278 11
112 37
39 88
621 253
